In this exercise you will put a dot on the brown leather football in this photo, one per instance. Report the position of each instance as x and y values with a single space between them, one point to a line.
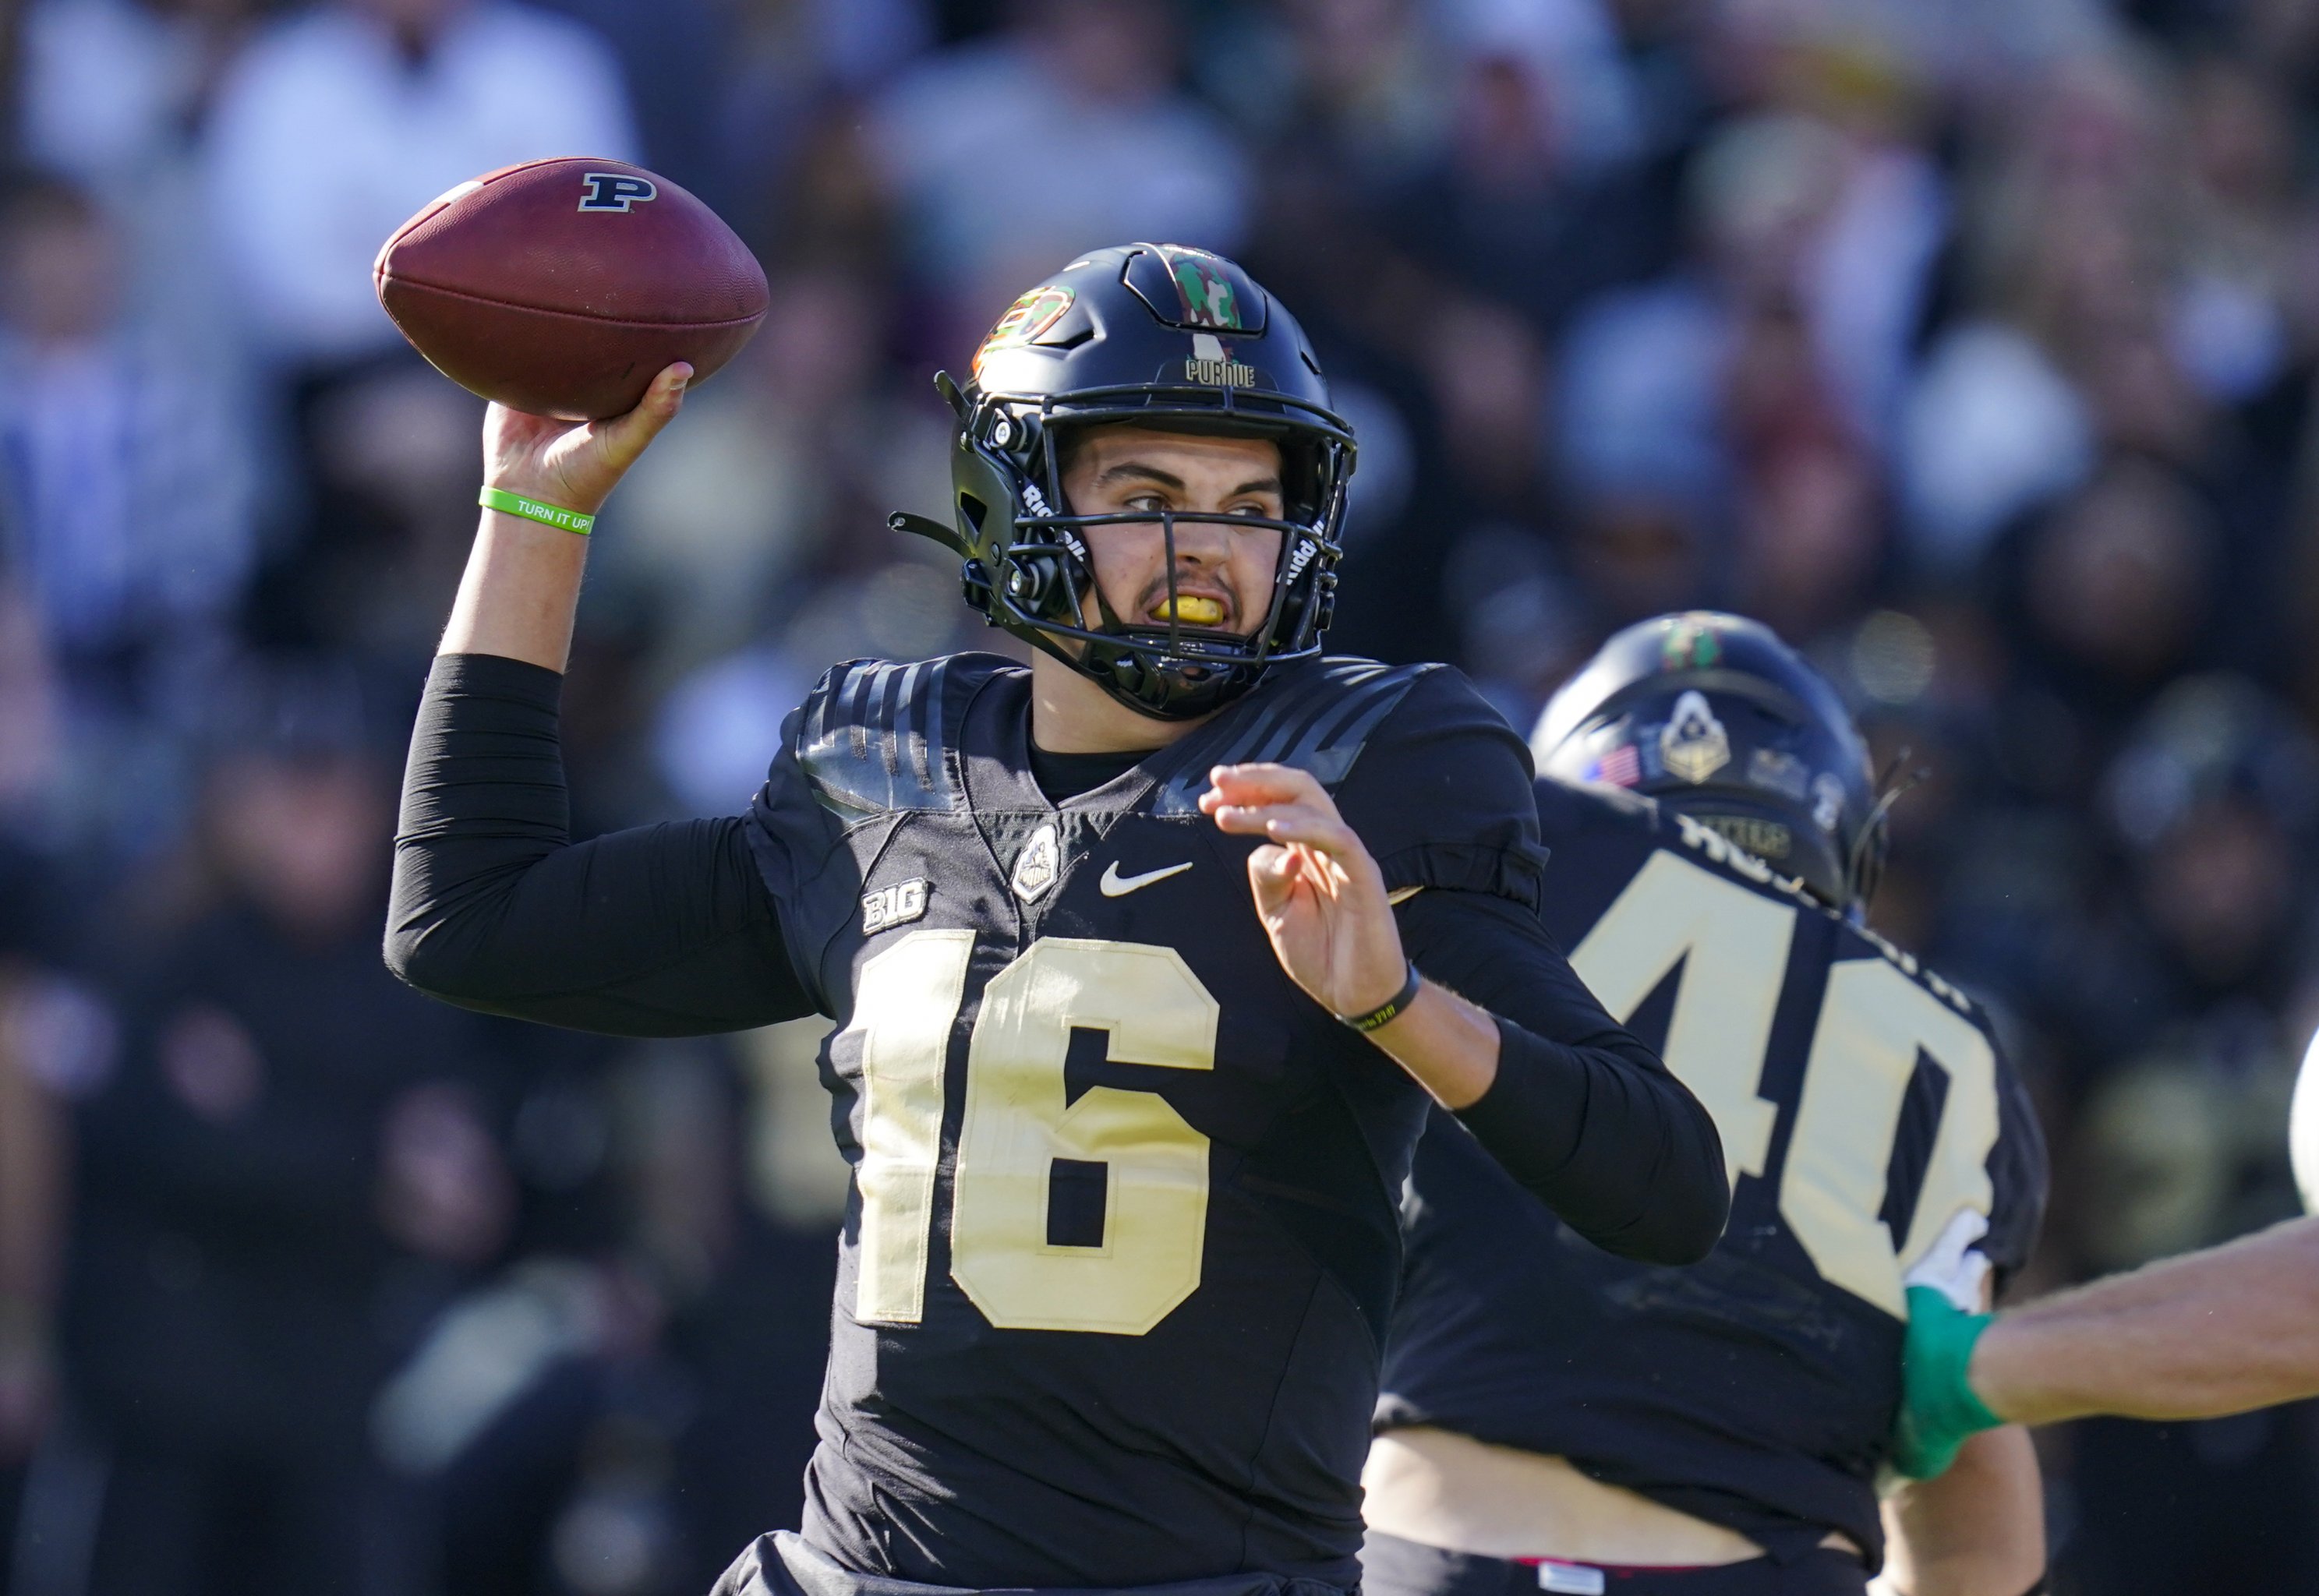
561 286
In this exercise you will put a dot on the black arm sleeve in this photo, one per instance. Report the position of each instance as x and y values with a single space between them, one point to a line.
2019 1173
662 931
1581 1112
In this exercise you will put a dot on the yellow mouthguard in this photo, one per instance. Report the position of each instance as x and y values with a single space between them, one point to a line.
1192 611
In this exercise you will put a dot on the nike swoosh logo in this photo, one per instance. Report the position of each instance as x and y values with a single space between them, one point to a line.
1115 885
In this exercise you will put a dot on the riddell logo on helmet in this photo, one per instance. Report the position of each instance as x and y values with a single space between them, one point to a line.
1209 364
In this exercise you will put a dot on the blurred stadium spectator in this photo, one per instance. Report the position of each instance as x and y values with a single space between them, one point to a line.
336 123
128 497
125 528
1079 96
114 97
285 1161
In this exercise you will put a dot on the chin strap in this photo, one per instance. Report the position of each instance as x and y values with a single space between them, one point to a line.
1137 650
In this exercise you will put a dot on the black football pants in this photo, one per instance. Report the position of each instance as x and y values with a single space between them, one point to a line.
782 1564
1392 1567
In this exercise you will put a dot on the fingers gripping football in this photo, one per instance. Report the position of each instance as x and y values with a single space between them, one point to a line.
1318 893
576 465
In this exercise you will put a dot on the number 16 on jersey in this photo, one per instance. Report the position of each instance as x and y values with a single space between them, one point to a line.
1019 1122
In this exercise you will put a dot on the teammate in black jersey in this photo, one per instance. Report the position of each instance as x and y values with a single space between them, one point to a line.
1552 1414
1122 1237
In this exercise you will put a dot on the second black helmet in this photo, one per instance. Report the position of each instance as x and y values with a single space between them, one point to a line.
1714 716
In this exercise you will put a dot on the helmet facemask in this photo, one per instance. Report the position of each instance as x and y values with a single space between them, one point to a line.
1030 568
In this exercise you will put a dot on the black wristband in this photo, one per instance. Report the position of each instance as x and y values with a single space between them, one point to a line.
1386 1012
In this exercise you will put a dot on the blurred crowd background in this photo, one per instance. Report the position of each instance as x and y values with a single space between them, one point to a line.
1970 342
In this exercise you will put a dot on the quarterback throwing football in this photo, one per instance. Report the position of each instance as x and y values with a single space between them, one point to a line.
1122 1239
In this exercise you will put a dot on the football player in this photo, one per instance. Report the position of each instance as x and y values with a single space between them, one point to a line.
1122 1233
1557 1418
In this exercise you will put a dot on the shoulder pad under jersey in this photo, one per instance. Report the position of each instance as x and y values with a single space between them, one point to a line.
1317 720
874 737
1569 809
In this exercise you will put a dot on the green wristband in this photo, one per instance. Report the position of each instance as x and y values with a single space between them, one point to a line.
1939 1410
532 510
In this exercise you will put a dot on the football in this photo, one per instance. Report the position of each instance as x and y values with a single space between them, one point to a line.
561 286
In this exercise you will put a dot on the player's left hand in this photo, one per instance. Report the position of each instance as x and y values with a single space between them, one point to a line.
1319 894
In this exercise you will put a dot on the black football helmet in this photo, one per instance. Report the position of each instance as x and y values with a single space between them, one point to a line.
1713 716
1161 336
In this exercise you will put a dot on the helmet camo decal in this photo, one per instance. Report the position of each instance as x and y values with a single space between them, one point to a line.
1207 294
1690 647
1024 319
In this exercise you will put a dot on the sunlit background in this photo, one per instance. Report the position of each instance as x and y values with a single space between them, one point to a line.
1970 342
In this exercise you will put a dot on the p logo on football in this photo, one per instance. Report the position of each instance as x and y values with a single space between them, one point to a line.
615 191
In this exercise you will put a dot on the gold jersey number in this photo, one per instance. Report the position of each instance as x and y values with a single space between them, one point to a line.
1019 1121
1873 1022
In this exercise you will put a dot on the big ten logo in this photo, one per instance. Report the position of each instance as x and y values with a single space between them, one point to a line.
890 906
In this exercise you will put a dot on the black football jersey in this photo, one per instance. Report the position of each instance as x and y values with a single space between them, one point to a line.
1123 1229
1863 1104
